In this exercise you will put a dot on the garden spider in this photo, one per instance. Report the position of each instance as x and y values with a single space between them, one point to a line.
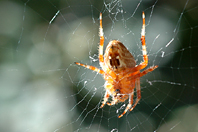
120 71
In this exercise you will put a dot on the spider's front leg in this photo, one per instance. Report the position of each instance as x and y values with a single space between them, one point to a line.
100 50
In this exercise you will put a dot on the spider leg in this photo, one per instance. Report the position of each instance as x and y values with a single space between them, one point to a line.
146 71
90 67
113 102
144 52
137 77
140 74
106 97
100 50
138 93
129 104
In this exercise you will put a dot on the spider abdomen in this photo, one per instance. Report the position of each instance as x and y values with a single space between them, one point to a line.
117 57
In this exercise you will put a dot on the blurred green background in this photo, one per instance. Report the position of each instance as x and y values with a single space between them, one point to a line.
42 90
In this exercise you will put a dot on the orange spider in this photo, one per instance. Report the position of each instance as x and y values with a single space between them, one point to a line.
120 71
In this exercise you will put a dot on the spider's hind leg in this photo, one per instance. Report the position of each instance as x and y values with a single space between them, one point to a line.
113 102
106 97
138 93
129 104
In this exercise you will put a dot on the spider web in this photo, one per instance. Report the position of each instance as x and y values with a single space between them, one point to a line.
43 90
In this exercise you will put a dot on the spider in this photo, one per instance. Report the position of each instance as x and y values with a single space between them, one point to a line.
120 71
